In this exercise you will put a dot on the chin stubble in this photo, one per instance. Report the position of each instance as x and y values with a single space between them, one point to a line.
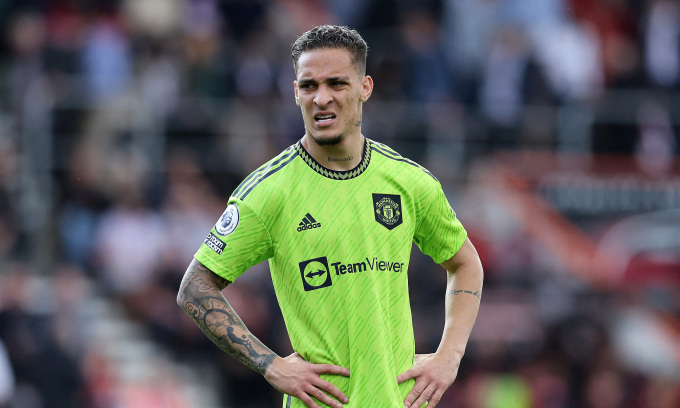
330 141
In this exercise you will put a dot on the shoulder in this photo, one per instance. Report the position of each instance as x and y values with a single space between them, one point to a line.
392 158
262 175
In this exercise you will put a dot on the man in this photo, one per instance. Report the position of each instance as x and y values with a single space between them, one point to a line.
336 214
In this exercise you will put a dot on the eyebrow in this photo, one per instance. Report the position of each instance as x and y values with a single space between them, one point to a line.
331 79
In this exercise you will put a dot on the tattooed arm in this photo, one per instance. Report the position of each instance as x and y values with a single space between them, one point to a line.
434 373
201 298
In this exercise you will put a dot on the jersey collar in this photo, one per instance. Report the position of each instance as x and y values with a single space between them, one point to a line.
335 174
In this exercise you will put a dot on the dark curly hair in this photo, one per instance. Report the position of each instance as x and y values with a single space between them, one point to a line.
332 36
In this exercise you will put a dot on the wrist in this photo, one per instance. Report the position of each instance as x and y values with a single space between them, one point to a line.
453 354
270 371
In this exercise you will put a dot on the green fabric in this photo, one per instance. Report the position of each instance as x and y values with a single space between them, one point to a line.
339 245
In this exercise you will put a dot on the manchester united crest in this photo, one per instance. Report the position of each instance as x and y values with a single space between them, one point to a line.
387 210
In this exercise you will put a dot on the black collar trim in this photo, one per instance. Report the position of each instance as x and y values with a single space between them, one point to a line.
334 174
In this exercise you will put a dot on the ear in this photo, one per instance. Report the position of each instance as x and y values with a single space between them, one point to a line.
366 88
295 89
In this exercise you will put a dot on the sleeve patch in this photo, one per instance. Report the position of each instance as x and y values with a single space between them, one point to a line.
214 243
228 221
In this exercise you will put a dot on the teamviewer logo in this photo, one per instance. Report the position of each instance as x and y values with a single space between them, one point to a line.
315 274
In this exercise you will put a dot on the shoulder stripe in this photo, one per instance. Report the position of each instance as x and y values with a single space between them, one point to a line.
269 170
391 154
385 147
386 151
248 180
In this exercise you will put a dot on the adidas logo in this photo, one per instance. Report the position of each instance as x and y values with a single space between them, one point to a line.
308 222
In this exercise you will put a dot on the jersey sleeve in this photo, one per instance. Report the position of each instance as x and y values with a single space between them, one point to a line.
236 242
439 234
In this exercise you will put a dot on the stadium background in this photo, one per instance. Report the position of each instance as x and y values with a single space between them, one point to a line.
552 124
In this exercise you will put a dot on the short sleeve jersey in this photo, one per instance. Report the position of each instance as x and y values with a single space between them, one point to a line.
338 245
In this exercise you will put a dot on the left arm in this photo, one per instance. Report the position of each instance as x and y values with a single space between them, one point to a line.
434 373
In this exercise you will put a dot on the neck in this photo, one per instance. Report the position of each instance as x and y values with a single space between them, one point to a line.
343 156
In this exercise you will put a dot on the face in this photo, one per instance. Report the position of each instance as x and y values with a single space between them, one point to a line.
330 93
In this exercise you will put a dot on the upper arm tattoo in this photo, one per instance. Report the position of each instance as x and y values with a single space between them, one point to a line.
200 297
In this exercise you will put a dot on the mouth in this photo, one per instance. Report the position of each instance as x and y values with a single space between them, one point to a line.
324 119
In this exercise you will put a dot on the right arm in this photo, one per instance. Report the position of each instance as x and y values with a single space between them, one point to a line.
201 298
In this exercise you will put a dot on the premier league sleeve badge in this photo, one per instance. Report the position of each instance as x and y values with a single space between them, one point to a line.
228 221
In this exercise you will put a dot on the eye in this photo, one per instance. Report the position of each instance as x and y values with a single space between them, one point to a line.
306 86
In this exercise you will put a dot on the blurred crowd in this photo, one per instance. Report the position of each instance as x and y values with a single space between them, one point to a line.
126 124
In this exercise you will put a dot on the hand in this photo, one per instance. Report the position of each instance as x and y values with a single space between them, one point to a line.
295 376
433 375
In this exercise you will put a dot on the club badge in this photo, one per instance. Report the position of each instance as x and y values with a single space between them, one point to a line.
387 210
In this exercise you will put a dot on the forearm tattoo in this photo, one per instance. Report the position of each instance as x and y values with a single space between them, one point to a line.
457 292
204 303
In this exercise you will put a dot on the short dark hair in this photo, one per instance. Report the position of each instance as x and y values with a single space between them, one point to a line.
332 36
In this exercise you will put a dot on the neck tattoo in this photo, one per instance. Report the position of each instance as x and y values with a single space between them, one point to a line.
340 159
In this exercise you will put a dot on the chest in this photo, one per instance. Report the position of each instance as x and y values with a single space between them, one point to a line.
351 214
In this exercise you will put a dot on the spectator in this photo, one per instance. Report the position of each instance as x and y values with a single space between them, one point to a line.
106 60
661 36
6 378
130 236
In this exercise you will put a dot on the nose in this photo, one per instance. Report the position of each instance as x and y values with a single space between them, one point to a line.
323 96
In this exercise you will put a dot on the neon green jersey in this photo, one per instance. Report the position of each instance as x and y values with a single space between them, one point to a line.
339 245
